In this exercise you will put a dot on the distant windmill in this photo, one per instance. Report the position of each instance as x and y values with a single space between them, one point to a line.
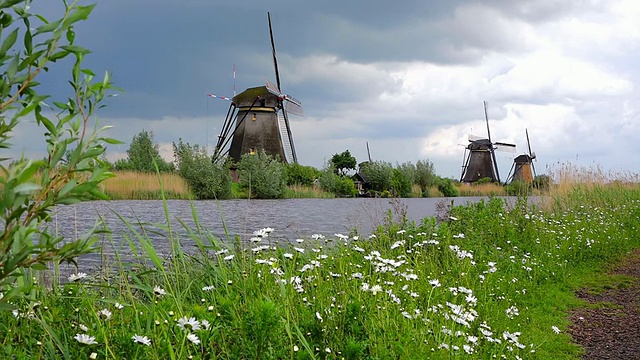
523 168
258 120
480 158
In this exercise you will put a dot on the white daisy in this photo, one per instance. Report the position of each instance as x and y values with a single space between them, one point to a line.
189 324
206 324
104 314
208 288
193 338
555 329
229 257
85 339
77 277
83 327
119 306
159 291
141 340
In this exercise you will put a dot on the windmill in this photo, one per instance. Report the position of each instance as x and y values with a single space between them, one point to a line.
523 168
479 160
258 119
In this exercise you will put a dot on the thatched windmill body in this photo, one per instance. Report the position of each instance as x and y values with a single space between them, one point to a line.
480 158
258 120
523 168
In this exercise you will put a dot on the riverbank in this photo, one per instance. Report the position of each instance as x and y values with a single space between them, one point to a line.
488 281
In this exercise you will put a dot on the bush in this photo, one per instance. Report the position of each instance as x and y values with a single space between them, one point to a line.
301 175
206 179
378 175
518 188
142 154
542 182
263 175
445 186
400 183
425 175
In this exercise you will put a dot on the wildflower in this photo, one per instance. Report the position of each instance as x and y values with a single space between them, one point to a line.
229 257
299 241
319 316
364 287
141 340
159 291
83 327
376 289
295 348
555 329
85 339
435 283
230 282
189 324
208 288
288 255
104 314
119 306
193 338
317 237
255 239
206 324
298 249
328 350
77 277
93 356
453 218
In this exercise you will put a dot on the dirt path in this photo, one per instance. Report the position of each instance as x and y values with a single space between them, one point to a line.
610 327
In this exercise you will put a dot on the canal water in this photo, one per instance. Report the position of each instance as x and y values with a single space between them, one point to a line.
290 218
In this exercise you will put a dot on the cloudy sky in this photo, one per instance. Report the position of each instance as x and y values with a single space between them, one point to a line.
407 77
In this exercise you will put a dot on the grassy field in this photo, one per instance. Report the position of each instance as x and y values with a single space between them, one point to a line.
132 185
489 282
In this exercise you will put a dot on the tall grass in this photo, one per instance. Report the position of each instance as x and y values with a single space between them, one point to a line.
487 189
490 282
301 191
145 186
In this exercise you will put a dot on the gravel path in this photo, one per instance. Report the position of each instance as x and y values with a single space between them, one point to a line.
611 331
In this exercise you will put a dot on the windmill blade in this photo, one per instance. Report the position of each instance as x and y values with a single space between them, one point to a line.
533 155
486 118
505 147
272 88
273 51
293 108
475 137
219 97
529 143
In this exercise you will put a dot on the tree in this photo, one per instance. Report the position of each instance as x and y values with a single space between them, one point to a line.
343 162
142 154
31 189
378 175
263 175
400 184
207 180
301 175
425 175
331 182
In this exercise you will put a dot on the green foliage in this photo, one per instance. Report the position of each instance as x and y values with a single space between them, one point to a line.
206 179
400 183
262 175
343 162
484 180
301 175
27 199
542 182
425 175
378 175
446 187
518 188
142 154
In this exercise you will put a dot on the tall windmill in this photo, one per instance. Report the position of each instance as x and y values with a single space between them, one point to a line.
523 168
480 157
258 120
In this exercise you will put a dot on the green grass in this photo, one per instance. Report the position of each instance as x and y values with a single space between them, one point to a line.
488 282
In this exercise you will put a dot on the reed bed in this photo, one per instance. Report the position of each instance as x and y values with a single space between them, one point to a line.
145 186
487 189
302 191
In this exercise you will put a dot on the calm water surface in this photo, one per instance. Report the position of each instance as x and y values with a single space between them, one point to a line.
290 219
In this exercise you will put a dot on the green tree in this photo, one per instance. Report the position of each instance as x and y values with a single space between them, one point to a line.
446 187
142 154
343 162
378 175
400 184
331 182
425 175
207 180
263 175
27 199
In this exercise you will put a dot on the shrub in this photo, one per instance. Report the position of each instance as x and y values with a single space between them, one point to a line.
518 188
331 182
263 175
425 175
445 186
301 175
378 175
206 179
400 183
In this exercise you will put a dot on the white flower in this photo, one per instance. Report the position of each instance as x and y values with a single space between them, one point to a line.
555 329
453 218
159 291
376 289
77 277
435 283
319 316
141 340
193 338
298 249
188 324
104 314
83 327
93 356
119 306
288 255
229 257
85 339
208 288
295 348
206 324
